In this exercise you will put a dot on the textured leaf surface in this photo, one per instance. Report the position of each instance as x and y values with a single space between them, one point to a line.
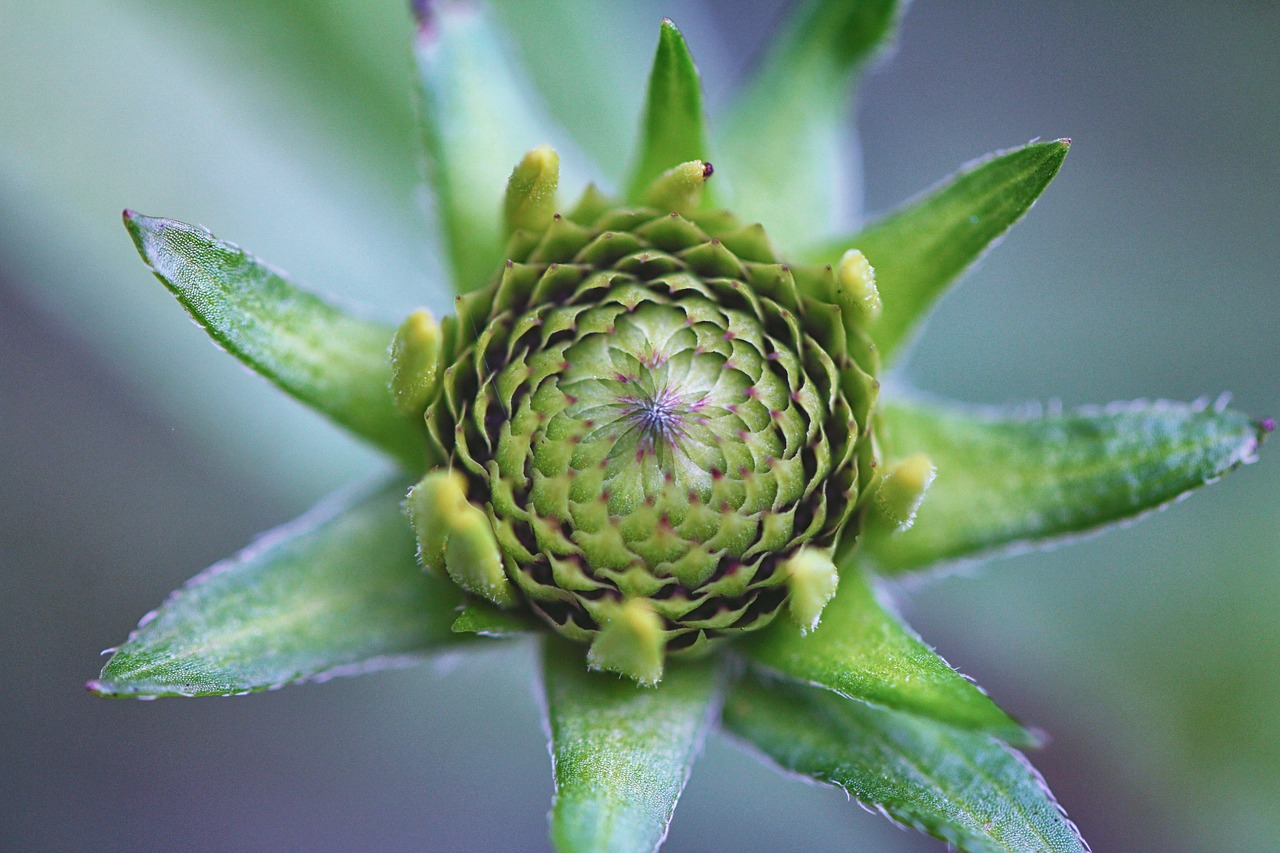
673 130
922 248
963 787
487 620
863 652
785 148
337 591
478 119
1006 480
318 353
621 753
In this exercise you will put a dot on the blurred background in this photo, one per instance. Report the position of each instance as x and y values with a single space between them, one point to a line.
133 453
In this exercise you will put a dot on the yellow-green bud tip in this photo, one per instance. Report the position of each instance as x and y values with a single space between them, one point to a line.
902 490
631 642
415 363
679 190
812 579
473 560
437 496
455 537
531 191
856 285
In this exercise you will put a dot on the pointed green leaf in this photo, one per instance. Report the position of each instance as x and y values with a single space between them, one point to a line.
673 130
488 620
1006 481
923 247
338 591
965 788
784 146
621 753
863 652
321 355
479 117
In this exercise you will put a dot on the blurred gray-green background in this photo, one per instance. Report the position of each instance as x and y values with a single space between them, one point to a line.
132 453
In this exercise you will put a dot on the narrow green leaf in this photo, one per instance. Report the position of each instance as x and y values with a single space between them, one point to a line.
965 788
863 652
621 753
785 144
322 356
478 119
488 620
1006 481
923 247
336 592
673 130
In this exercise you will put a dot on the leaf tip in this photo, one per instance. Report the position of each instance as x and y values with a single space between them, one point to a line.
1055 150
137 225
669 34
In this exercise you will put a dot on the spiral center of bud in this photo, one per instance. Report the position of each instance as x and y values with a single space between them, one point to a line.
656 419
659 416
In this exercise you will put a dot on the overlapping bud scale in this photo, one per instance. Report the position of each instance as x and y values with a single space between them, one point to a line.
656 414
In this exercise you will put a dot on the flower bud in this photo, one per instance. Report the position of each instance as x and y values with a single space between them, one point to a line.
856 285
668 428
531 191
415 363
631 643
902 490
680 189
812 579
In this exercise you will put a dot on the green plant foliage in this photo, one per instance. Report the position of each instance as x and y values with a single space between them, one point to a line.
316 352
621 753
478 117
673 130
863 652
785 143
967 789
336 592
921 249
1007 481
650 429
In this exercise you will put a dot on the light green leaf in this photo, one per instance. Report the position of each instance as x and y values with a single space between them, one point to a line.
862 652
785 144
920 249
673 130
478 119
488 620
1006 480
321 355
621 752
965 788
338 591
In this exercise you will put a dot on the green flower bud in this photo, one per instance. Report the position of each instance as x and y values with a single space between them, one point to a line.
679 189
668 428
531 191
631 642
415 363
901 492
812 579
455 537
857 286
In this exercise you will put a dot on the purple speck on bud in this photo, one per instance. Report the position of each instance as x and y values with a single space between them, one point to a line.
1268 424
708 170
